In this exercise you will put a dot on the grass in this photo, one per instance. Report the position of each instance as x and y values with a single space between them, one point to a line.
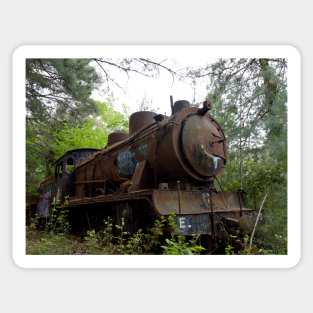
162 238
44 243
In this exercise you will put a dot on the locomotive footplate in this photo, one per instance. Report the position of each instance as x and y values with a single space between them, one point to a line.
196 203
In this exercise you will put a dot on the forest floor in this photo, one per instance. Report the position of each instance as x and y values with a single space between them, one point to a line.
161 238
42 242
49 243
46 243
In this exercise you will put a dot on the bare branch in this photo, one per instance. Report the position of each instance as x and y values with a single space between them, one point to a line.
108 77
126 70
172 72
256 221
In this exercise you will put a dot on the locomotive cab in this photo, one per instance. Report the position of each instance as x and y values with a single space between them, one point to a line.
55 188
65 171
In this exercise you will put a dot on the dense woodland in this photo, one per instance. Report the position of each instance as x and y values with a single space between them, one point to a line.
249 99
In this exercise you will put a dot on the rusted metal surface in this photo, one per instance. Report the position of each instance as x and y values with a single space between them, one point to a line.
193 202
77 155
179 144
116 137
55 188
183 146
47 190
126 163
195 214
179 105
43 204
139 120
141 177
166 202
205 154
102 199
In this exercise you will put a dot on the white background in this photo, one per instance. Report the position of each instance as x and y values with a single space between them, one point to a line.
180 22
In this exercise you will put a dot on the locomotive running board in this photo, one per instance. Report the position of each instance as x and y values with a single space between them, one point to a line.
172 201
134 195
195 202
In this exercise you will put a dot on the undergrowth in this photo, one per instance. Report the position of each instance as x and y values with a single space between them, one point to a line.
52 236
162 238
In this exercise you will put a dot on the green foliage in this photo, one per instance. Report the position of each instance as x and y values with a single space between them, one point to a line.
136 244
229 249
162 238
92 243
58 221
263 174
41 242
59 89
92 133
38 158
109 119
78 136
45 145
250 102
179 245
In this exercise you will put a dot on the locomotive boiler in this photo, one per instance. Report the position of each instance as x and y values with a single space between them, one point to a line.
164 165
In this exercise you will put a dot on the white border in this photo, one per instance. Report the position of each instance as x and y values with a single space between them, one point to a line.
129 261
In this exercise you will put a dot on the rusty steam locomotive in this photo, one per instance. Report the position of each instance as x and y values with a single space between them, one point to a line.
166 164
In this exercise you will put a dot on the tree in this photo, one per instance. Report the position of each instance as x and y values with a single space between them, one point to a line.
93 133
59 89
250 100
43 148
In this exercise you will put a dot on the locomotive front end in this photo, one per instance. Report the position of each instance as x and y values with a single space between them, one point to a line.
194 145
203 145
